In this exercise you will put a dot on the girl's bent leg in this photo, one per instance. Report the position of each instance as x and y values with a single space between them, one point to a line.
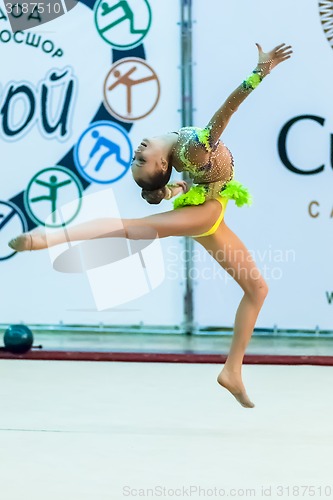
233 256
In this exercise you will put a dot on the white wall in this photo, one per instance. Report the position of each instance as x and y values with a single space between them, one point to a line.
278 225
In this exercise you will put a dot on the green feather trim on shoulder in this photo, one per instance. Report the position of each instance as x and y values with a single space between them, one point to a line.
234 190
195 196
203 136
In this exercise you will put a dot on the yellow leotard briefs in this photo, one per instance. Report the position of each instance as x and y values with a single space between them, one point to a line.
212 230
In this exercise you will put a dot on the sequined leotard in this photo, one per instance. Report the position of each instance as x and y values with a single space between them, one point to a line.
209 162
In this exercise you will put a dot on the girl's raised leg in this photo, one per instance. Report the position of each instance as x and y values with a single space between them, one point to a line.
184 221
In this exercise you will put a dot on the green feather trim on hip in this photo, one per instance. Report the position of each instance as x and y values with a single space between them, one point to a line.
234 190
195 196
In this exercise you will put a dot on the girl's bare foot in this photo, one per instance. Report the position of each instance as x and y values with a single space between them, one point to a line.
232 381
33 240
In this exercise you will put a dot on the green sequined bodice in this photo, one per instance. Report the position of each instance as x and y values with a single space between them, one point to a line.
205 161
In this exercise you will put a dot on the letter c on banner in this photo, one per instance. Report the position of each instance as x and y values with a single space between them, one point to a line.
282 144
312 214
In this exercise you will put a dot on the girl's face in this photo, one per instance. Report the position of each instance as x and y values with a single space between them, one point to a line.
148 159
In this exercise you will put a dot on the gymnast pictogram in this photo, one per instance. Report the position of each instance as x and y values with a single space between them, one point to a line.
129 83
53 186
112 149
128 14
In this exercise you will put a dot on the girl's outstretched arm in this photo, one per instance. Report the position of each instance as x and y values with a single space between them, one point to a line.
267 61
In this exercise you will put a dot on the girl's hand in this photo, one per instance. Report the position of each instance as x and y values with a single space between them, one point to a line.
183 185
274 57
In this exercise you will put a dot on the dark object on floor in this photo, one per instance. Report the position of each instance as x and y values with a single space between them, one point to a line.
18 339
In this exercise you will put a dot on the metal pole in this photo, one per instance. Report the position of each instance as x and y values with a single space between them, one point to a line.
187 120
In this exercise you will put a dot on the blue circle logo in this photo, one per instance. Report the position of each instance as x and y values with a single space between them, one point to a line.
103 154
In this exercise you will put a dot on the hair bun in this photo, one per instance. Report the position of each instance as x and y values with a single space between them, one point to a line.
153 196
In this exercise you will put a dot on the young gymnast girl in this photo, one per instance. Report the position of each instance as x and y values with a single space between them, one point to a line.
198 212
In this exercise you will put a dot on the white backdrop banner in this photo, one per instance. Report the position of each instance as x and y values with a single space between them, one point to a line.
77 96
78 93
281 138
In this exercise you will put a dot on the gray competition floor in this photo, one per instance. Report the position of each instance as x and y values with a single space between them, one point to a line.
93 431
